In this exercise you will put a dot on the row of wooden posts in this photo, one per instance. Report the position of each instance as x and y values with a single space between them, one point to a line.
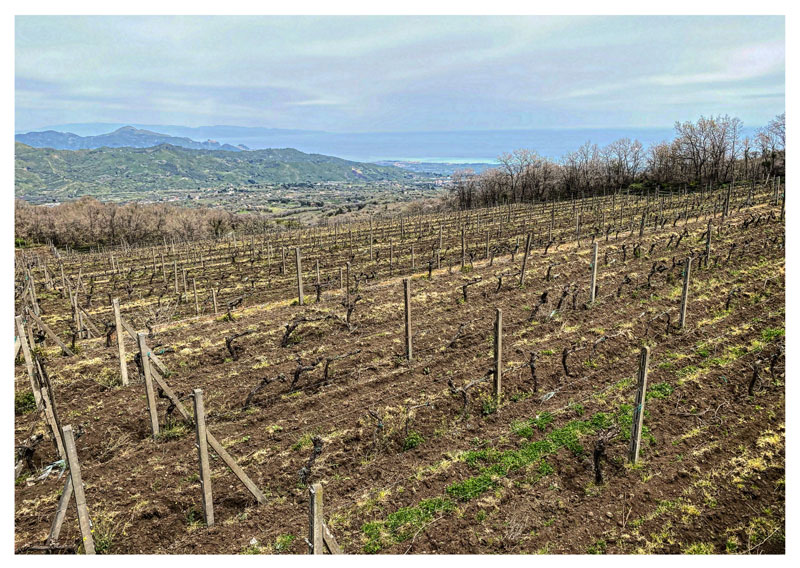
65 442
319 535
85 329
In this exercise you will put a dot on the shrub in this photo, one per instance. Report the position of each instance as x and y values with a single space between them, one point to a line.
413 440
24 402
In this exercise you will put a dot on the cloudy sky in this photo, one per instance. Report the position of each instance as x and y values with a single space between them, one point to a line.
398 73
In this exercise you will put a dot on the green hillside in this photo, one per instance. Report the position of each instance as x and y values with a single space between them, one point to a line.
70 173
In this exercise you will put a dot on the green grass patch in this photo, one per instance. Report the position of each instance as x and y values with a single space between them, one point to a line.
771 334
659 390
24 402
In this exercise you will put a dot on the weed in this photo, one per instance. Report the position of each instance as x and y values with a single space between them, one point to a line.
413 440
542 421
598 547
24 402
172 430
771 334
699 548
284 542
659 390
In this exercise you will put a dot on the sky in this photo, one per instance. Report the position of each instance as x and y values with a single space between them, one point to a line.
383 74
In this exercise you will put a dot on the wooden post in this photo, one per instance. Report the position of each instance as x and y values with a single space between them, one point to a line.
32 288
77 487
123 365
316 543
687 269
26 352
202 453
593 289
407 297
50 411
299 268
463 249
175 268
144 354
525 260
498 355
708 244
638 409
213 442
50 334
61 512
727 200
63 281
214 299
196 303
347 284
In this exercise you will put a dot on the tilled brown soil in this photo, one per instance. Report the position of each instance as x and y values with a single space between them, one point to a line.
711 476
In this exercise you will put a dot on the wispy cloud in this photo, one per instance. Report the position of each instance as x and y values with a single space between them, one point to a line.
396 73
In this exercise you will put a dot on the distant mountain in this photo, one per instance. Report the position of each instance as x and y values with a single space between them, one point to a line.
457 146
65 174
126 136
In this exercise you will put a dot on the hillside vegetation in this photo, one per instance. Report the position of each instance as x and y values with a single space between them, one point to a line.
63 174
121 137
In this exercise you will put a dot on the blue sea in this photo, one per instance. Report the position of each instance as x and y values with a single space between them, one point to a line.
437 146
444 147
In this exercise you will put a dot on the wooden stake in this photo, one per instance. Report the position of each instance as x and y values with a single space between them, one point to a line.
525 260
77 485
50 334
498 354
50 410
61 512
687 269
123 365
638 409
315 533
212 441
202 452
26 352
463 248
299 268
330 541
593 288
196 303
407 297
144 354
347 284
